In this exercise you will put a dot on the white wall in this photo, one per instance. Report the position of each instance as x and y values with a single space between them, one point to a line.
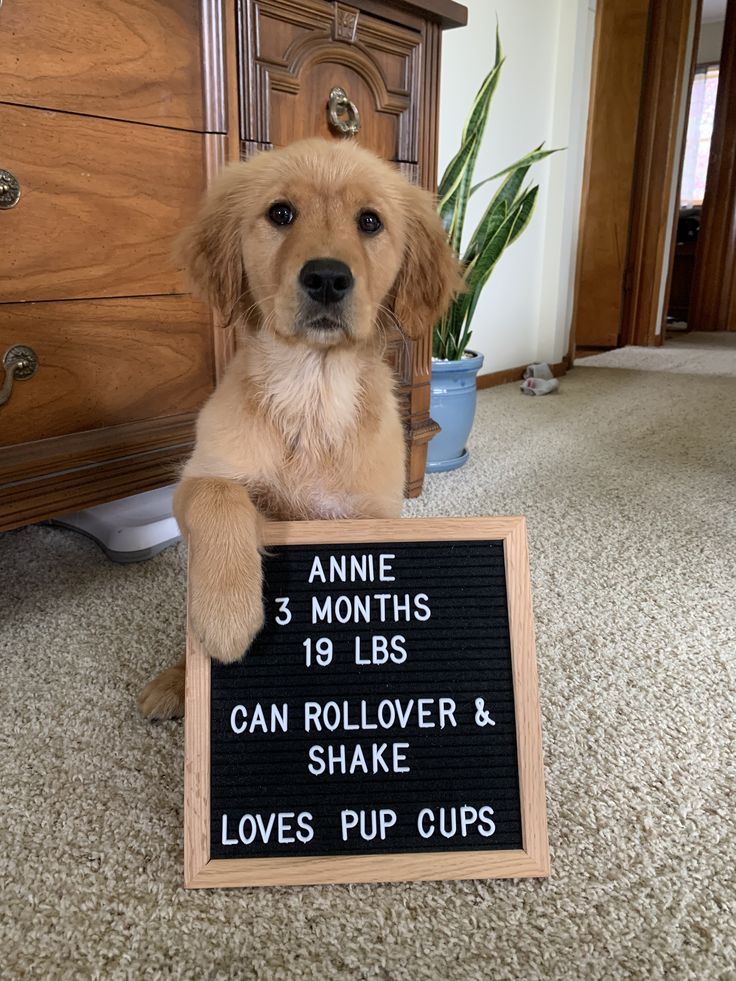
711 39
524 312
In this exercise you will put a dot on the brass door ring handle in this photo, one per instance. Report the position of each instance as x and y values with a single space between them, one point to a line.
339 106
9 188
19 362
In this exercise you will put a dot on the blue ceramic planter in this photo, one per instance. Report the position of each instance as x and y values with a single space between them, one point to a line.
452 405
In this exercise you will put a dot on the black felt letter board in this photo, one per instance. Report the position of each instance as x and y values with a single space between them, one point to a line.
441 682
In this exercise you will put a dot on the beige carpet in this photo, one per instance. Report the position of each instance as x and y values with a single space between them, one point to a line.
698 353
627 481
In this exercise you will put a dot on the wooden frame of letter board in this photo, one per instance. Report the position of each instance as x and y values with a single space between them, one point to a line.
531 860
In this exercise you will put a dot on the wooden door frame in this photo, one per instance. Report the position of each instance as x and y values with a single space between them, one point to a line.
713 298
600 110
668 57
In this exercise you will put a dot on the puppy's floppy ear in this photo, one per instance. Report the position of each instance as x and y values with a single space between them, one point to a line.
211 249
430 273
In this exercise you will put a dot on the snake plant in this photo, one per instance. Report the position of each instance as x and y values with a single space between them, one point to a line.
505 218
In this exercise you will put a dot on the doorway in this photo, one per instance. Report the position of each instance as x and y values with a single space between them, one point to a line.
695 156
658 214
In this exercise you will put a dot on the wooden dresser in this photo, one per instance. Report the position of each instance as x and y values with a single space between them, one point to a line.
114 115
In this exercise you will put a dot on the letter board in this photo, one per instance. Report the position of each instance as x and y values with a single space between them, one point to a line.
384 724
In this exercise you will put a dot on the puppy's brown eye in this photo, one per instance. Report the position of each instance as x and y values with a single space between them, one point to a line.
369 222
281 213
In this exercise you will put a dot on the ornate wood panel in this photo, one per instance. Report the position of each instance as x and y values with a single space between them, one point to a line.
295 51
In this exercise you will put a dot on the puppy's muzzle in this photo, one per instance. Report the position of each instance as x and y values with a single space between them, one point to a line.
326 281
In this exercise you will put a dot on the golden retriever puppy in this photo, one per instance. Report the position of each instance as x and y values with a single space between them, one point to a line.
305 249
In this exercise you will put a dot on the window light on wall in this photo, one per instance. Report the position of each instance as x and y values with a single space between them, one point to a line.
699 132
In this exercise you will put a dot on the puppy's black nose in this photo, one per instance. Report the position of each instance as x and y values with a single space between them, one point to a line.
326 280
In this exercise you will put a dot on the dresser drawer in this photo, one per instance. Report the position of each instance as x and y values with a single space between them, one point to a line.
100 204
105 363
139 60
296 53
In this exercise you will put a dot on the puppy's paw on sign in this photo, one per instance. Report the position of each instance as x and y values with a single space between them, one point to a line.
384 725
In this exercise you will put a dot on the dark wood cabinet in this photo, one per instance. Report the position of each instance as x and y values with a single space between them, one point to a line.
114 116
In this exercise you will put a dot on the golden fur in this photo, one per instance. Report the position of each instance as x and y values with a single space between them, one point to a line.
305 422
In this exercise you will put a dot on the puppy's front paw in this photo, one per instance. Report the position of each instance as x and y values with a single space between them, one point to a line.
225 624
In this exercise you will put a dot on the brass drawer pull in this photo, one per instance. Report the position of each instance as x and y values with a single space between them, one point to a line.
9 189
339 105
19 362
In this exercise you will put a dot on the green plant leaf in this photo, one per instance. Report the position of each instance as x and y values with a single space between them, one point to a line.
475 120
524 214
458 321
531 158
504 198
492 217
470 136
459 174
509 190
484 263
454 189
